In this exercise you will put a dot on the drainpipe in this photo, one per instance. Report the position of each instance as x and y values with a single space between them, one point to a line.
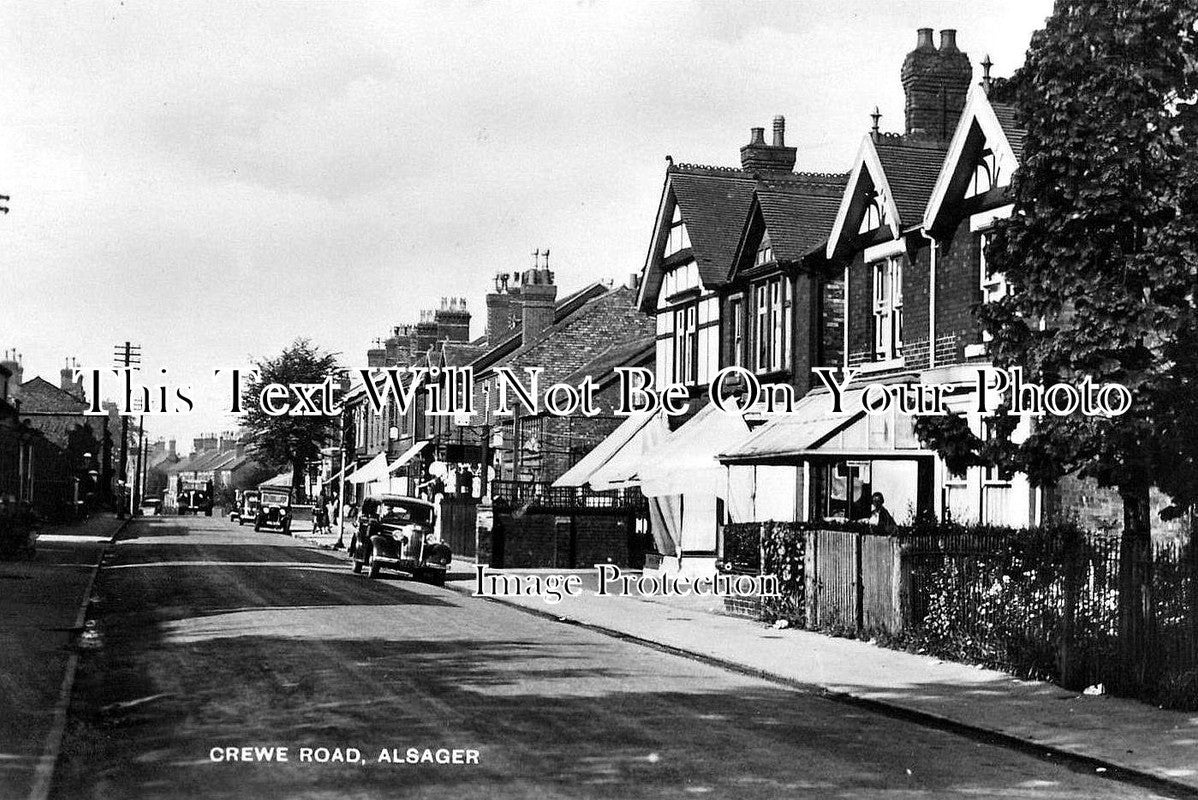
931 296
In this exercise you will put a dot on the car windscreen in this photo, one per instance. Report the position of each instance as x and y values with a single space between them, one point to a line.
404 513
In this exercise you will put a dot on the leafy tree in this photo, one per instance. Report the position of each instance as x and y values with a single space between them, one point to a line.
289 441
1101 248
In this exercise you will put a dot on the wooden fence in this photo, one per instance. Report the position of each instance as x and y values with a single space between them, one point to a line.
1039 603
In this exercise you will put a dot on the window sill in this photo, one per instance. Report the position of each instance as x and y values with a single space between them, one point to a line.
882 366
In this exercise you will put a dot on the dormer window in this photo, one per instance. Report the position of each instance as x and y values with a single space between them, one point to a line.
678 239
985 174
872 218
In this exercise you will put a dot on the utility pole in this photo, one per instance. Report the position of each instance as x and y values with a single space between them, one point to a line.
340 545
139 477
128 356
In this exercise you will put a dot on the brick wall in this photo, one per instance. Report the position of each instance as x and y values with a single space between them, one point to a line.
957 293
832 322
544 540
1098 509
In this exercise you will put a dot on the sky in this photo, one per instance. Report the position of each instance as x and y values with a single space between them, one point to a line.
211 180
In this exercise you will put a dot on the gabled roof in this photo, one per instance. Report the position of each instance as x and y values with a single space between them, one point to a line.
714 202
714 205
38 395
982 124
798 215
901 170
911 170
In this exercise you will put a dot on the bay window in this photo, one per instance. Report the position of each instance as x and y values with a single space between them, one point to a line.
994 285
736 313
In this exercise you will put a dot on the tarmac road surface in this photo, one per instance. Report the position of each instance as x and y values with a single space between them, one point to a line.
213 639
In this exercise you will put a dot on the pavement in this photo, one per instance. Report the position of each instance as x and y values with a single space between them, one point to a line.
1109 733
217 643
42 609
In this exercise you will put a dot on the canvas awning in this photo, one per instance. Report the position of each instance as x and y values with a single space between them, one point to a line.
282 479
342 474
620 470
375 468
688 460
814 427
407 456
616 442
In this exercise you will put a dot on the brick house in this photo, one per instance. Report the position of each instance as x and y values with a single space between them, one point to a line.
908 244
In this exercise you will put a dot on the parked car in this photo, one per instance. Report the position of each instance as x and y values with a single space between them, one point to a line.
274 509
151 507
398 532
246 508
18 532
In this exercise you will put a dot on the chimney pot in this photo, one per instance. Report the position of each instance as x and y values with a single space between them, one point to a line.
757 136
948 40
779 131
923 38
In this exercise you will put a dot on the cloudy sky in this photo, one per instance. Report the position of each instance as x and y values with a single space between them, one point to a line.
212 180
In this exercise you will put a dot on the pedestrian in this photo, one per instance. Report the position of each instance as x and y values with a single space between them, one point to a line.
881 519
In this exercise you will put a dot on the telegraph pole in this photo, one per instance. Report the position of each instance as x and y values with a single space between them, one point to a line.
128 356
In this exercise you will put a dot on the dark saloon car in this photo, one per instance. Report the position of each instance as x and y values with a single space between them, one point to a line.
399 533
274 509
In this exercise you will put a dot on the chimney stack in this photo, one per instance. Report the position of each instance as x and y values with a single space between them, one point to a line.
66 377
426 331
453 320
757 156
935 83
537 296
12 363
171 448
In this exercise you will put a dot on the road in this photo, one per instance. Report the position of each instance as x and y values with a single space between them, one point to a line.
213 636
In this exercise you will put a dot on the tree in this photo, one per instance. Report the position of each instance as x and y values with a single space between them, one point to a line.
1101 250
289 440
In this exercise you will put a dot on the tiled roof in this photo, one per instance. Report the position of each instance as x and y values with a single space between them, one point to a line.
714 204
635 353
457 354
911 170
38 394
562 311
1015 134
798 219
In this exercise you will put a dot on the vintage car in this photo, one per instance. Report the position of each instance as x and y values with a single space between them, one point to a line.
194 501
274 509
246 507
399 533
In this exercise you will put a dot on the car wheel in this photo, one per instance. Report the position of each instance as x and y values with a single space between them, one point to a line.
257 527
373 565
240 522
435 576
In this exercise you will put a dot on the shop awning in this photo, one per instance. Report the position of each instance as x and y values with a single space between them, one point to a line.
407 456
282 479
376 468
342 474
622 437
620 470
687 461
811 426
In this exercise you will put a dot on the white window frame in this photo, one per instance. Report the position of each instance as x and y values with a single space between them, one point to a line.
685 341
771 324
887 283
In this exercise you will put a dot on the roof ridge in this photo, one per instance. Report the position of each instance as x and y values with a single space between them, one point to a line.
711 168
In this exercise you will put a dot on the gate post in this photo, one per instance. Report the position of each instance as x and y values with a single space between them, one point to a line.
811 577
858 585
